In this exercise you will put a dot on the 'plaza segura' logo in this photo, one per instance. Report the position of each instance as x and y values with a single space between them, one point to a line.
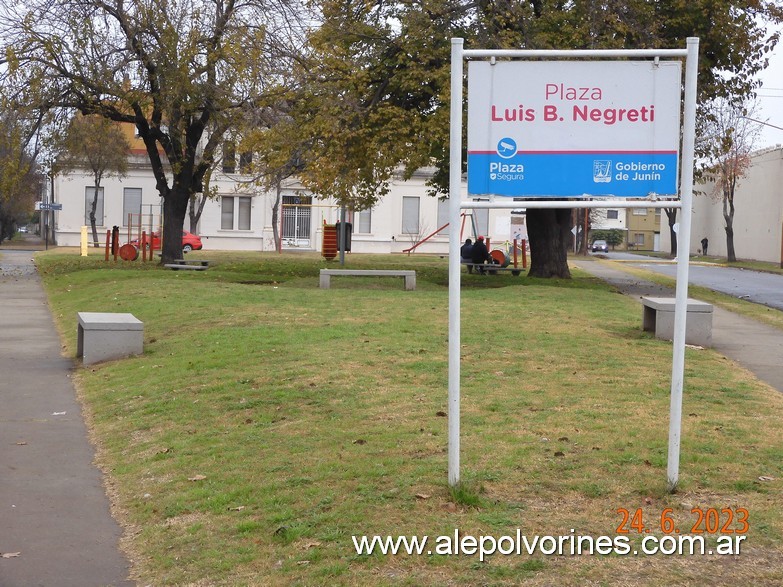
602 171
506 170
507 148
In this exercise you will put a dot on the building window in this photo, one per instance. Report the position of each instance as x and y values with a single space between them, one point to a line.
410 215
640 211
612 214
227 213
89 195
443 213
362 222
235 213
638 239
131 206
481 218
229 157
243 221
245 162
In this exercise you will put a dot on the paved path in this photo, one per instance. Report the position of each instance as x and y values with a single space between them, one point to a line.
756 346
53 508
754 286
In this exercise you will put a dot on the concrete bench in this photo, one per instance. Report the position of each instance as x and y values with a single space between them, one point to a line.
658 317
104 335
408 275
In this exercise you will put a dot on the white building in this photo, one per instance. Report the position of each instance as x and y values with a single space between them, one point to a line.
758 216
608 219
240 218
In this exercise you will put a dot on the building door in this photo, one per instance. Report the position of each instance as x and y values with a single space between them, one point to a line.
296 215
657 241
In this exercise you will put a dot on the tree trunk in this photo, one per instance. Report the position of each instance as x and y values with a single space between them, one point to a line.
584 244
731 256
195 210
174 210
728 216
93 222
671 215
549 232
275 216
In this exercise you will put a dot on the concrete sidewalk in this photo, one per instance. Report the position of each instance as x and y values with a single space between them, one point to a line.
53 507
754 345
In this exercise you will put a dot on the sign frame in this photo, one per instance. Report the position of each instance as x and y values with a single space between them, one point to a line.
458 56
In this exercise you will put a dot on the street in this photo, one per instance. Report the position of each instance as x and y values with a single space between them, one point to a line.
754 286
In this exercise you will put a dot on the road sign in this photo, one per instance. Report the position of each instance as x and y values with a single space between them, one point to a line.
48 206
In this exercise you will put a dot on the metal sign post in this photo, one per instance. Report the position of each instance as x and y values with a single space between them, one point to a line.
455 195
684 237
572 130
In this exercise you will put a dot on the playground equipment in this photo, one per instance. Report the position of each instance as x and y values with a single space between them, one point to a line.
140 228
463 215
511 254
295 221
329 246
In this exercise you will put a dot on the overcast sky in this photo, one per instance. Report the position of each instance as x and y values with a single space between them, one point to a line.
771 100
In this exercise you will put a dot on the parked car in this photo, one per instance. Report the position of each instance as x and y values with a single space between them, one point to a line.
190 242
600 246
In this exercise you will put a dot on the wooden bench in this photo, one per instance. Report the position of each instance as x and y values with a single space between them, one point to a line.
491 269
327 274
102 336
658 317
202 262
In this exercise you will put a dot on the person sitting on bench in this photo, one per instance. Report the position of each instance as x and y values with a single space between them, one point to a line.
466 254
480 254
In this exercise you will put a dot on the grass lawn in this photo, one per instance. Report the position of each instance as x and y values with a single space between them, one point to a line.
269 421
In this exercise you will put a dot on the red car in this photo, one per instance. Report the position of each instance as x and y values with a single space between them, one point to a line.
190 242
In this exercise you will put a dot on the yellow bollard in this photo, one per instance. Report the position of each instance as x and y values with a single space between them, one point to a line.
84 241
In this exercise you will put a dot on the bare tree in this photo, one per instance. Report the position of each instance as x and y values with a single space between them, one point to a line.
98 144
730 139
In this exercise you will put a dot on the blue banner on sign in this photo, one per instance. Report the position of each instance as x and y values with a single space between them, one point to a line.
572 174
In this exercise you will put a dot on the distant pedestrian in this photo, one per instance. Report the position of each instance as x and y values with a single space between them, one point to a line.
704 243
480 253
466 254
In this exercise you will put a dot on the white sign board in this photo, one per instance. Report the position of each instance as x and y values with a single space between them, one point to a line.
570 129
